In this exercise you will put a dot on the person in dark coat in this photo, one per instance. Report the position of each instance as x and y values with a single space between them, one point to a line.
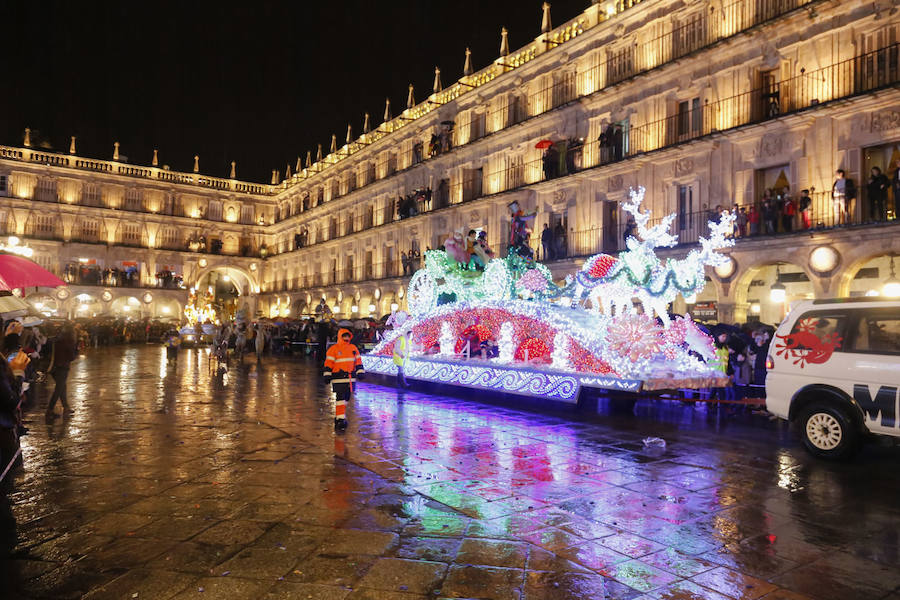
770 216
877 188
322 337
63 353
618 143
547 242
895 186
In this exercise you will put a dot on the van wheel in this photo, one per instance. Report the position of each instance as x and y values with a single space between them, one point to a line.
828 432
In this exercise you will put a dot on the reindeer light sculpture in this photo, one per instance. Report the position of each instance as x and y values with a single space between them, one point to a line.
612 284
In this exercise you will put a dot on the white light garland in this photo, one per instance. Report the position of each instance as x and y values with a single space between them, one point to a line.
560 355
505 343
447 340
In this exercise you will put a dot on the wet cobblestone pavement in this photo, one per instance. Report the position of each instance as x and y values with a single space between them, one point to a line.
170 483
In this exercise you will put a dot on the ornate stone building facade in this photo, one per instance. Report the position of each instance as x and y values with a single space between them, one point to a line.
704 103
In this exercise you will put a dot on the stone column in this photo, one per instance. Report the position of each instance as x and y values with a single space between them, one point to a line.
728 312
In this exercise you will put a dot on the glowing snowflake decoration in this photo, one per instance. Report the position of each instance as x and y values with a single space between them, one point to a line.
634 337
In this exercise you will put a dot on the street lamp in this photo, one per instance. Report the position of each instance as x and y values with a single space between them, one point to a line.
777 292
891 287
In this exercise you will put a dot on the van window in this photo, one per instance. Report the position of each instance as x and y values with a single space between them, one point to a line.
879 333
825 327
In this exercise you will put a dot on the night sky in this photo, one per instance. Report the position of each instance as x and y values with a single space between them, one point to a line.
259 83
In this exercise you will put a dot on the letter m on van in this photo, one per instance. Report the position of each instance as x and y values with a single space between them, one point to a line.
883 403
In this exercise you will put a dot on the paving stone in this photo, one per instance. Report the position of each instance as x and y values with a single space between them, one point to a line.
466 581
428 548
402 575
139 583
331 570
232 532
232 588
259 563
358 541
493 553
543 585
733 584
286 590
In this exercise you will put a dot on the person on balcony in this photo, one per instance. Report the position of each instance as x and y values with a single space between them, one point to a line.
843 192
559 235
753 219
895 186
877 194
549 161
770 215
787 214
404 261
618 143
804 203
548 243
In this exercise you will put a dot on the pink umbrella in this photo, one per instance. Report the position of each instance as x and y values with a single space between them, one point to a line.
18 272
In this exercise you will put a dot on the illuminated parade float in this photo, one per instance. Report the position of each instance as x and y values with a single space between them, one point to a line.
505 325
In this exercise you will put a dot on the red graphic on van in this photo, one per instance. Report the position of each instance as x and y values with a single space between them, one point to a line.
805 346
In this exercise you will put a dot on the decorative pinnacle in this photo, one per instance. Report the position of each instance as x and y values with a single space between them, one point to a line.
437 81
504 42
467 68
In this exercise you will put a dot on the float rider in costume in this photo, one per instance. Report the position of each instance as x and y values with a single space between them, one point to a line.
519 230
343 365
401 347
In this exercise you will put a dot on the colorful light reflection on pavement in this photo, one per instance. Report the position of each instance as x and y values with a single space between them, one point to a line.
170 482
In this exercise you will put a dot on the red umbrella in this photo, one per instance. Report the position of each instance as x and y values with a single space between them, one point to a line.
18 272
543 144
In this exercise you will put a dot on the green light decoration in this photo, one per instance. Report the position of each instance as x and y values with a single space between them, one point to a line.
445 277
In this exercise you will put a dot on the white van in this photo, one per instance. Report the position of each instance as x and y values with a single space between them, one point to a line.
834 369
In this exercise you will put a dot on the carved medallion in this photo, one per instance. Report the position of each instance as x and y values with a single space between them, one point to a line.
684 166
884 121
615 183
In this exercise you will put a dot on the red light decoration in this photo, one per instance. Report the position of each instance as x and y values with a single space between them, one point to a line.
537 350
601 266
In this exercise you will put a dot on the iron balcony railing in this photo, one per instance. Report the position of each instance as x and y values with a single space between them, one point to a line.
848 78
824 213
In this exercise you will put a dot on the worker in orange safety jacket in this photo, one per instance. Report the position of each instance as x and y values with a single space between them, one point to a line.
342 366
